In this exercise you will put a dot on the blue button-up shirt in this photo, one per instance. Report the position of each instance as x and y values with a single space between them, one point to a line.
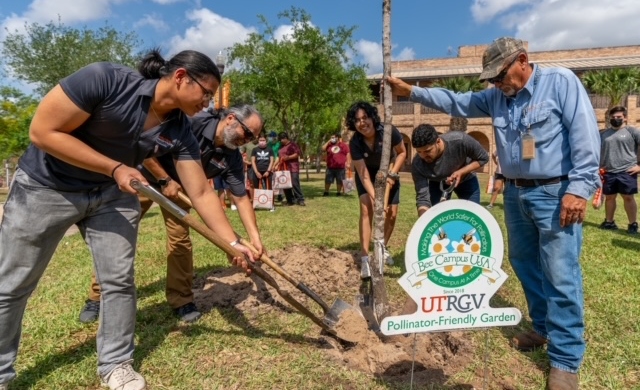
553 107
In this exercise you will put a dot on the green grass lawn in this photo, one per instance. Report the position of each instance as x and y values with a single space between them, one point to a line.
222 351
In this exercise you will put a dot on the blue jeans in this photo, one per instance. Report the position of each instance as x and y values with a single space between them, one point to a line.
467 190
35 219
545 257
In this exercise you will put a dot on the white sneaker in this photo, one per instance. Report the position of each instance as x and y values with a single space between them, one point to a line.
272 209
123 377
233 207
365 270
388 260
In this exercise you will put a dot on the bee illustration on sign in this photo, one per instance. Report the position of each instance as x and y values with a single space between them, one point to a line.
453 280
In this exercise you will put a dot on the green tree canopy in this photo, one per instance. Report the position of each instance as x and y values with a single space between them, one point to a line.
615 84
16 111
44 54
303 83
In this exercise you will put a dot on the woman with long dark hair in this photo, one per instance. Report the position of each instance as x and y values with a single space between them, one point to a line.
366 153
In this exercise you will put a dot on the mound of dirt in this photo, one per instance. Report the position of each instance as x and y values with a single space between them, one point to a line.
332 274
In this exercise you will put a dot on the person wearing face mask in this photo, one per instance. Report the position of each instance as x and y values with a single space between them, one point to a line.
219 135
548 145
619 159
338 159
274 144
261 163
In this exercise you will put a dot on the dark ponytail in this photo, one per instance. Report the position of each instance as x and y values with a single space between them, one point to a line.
153 66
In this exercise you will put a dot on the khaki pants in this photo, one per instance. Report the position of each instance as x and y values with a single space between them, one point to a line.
179 258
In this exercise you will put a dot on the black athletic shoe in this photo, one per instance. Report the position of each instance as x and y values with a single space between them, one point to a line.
632 228
90 312
188 312
609 225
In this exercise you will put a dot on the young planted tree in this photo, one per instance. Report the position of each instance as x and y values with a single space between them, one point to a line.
461 85
380 300
303 83
43 55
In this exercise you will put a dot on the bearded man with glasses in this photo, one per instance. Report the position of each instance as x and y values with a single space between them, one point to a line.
548 145
219 135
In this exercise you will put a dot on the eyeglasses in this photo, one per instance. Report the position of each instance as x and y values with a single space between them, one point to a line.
500 77
207 94
248 134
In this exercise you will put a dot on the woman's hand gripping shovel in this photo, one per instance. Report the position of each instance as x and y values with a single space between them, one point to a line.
334 316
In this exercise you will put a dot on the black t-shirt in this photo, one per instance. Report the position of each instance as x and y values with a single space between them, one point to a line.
216 160
118 99
360 150
263 157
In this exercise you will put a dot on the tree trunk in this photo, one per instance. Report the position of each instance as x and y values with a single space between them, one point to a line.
380 300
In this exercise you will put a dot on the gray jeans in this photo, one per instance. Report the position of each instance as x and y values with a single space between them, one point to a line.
35 220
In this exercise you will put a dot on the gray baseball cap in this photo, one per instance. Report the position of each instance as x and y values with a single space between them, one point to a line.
499 54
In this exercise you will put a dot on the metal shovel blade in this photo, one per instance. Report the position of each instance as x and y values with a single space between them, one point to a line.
333 315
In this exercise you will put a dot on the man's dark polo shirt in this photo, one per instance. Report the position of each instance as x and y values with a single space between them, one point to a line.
216 160
118 99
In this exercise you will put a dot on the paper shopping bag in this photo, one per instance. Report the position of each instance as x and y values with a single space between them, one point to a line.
348 183
282 178
262 198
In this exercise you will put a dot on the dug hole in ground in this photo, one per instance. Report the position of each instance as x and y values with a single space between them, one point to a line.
334 274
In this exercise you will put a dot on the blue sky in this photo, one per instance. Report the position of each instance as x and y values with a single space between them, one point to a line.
420 28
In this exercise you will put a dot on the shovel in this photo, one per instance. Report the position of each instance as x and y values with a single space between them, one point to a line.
210 235
332 315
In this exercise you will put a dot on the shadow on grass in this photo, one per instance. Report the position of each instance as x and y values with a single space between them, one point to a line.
628 244
399 376
537 356
154 323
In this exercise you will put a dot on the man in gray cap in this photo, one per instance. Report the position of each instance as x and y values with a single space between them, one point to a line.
549 149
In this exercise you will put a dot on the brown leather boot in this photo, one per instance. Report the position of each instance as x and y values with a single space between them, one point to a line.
528 341
562 380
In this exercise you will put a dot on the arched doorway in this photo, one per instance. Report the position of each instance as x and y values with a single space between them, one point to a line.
407 145
484 141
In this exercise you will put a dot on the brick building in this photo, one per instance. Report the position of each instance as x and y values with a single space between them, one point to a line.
468 62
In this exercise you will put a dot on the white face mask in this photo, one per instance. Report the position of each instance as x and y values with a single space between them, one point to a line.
271 139
333 140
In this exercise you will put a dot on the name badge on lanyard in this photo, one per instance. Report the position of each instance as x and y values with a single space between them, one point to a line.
528 146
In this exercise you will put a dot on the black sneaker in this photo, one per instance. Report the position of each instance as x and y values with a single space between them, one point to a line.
90 312
325 193
188 312
339 194
632 228
606 225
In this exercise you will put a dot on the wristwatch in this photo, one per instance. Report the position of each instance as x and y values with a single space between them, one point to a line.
164 182
394 176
